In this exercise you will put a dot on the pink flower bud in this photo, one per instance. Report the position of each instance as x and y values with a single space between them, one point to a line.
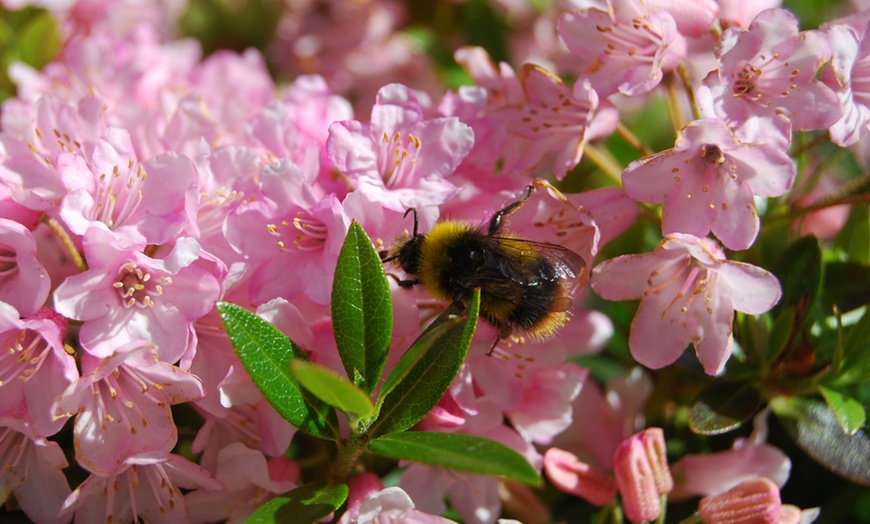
751 502
653 440
636 481
570 475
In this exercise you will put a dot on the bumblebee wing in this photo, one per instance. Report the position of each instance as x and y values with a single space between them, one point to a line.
516 265
566 263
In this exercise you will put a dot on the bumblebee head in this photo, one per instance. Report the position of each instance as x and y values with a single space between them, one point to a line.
407 250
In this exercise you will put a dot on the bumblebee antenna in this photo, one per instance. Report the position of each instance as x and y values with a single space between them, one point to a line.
414 210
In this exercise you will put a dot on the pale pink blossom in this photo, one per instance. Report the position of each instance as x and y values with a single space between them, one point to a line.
708 182
32 471
740 13
625 48
501 83
154 299
694 18
570 475
849 76
24 282
401 158
769 69
249 480
144 202
748 458
604 417
36 369
144 487
292 236
552 122
688 292
122 406
370 502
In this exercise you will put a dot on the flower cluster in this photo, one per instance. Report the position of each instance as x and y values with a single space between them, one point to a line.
142 182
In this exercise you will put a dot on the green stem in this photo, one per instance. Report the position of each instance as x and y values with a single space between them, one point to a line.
673 102
690 92
632 139
605 161
348 455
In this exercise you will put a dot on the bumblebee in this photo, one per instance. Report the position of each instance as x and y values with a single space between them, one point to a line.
524 285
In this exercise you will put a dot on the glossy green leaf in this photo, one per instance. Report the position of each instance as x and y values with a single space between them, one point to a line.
817 431
331 388
457 451
854 238
855 367
309 503
847 285
425 374
849 412
266 354
724 406
800 272
362 313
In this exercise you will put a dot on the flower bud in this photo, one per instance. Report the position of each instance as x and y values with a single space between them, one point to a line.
570 475
653 440
636 481
753 501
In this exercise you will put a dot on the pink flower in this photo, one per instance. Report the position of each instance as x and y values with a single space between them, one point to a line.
572 476
740 12
624 49
249 480
712 473
688 292
553 120
144 202
145 486
849 75
293 234
708 182
155 300
122 406
24 282
35 367
32 471
401 158
769 69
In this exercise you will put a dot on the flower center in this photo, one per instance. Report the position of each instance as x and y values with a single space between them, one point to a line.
136 287
119 194
24 353
398 158
310 234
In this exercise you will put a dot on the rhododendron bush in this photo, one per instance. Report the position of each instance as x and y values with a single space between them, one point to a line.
197 199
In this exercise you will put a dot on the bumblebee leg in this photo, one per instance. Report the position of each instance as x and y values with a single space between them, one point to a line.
492 347
403 283
495 222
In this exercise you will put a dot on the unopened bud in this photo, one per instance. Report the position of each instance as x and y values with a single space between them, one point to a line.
570 475
636 481
753 501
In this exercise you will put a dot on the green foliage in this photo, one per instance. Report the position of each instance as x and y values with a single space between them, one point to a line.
457 451
307 394
306 504
724 406
30 36
266 354
361 309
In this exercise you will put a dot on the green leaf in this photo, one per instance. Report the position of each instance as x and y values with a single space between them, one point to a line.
424 373
266 354
849 412
855 367
40 40
847 285
457 451
854 238
817 431
362 313
309 503
332 388
800 272
724 406
780 332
